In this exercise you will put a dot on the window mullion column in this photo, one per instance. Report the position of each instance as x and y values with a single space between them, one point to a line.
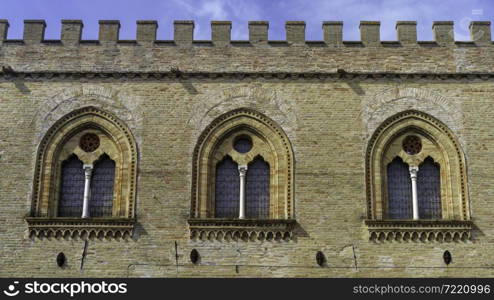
415 203
88 171
242 170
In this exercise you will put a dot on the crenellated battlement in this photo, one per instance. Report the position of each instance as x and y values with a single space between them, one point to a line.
332 33
220 54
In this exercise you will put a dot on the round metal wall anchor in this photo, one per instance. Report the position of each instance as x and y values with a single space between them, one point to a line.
61 259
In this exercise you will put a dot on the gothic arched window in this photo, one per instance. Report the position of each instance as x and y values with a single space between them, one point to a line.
242 179
227 189
429 189
85 177
72 188
257 189
416 181
102 182
399 190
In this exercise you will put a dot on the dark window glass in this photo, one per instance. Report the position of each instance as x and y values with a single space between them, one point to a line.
429 190
399 190
257 189
102 181
72 188
243 145
227 189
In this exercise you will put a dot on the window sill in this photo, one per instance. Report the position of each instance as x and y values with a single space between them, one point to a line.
244 230
419 230
78 227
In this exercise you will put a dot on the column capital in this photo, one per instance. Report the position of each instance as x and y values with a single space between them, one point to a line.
242 169
88 169
413 171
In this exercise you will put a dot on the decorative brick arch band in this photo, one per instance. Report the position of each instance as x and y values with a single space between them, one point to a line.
49 150
277 143
448 150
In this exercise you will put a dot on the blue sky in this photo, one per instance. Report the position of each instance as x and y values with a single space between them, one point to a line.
242 11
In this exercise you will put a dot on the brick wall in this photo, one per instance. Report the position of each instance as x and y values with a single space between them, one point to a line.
328 115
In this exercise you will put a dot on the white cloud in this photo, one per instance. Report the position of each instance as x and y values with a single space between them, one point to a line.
237 11
212 10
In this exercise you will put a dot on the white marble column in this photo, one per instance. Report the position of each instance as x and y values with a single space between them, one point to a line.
88 171
242 171
415 203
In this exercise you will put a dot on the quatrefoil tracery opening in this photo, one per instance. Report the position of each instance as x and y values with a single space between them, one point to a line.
412 145
89 142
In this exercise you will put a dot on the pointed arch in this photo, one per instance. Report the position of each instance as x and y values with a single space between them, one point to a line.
257 189
62 141
439 143
102 187
399 204
429 189
269 141
227 188
72 187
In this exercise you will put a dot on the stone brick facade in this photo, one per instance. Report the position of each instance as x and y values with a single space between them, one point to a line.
327 97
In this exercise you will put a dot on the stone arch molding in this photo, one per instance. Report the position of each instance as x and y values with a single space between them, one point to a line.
244 120
391 101
128 108
43 219
274 103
